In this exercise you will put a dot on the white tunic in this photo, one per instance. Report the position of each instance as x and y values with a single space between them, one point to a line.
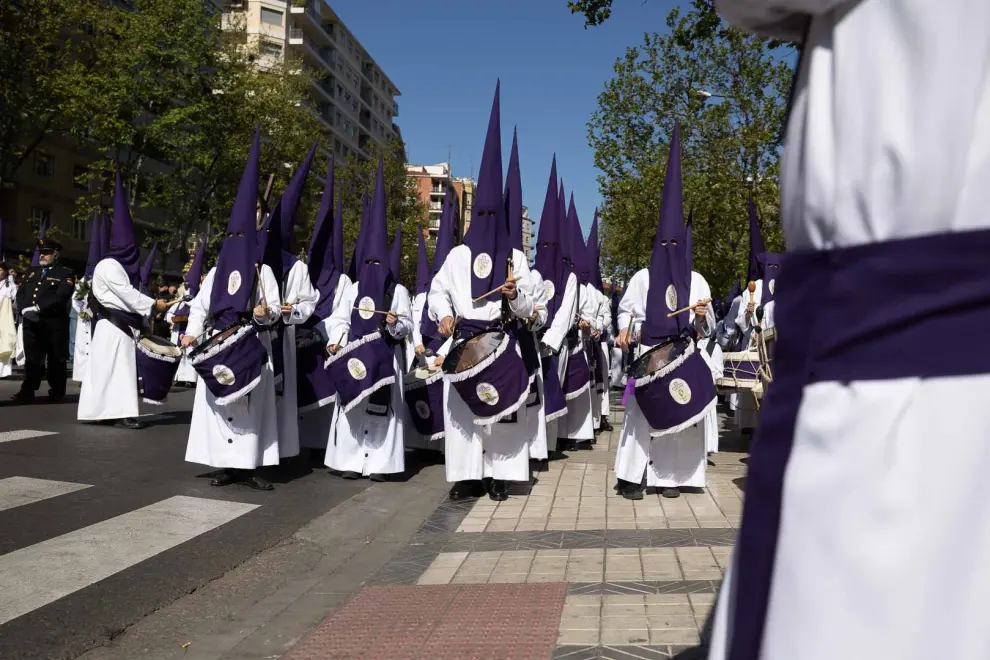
537 423
109 387
242 434
471 452
300 293
579 423
605 323
361 442
674 460
84 326
315 424
881 549
554 341
8 330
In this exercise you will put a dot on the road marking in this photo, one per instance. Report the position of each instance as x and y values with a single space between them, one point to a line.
18 491
40 574
23 434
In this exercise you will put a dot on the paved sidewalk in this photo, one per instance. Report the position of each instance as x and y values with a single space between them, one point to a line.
563 569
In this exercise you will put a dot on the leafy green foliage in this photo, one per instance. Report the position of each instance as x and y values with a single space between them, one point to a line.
728 90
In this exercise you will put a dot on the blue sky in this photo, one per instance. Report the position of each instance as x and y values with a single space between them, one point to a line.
446 55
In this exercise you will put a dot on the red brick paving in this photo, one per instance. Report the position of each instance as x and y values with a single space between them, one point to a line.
441 622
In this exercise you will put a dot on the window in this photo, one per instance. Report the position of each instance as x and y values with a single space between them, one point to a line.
78 177
44 165
40 216
271 16
80 229
271 49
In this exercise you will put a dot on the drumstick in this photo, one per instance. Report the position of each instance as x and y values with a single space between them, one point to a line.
684 309
378 311
261 286
482 297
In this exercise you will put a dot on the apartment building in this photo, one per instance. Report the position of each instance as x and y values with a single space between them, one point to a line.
432 183
349 92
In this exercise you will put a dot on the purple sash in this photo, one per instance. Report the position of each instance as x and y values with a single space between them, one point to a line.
554 401
577 380
852 314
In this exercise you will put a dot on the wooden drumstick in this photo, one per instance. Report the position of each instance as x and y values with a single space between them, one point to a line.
261 286
482 297
378 311
684 309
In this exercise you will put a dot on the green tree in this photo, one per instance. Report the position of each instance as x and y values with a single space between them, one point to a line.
728 91
705 23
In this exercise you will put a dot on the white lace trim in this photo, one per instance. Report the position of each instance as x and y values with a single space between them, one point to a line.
660 373
234 396
215 350
412 386
484 364
683 425
487 421
557 415
350 346
365 393
570 396
157 356
319 404
153 402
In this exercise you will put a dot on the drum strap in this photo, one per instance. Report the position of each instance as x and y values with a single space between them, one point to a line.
126 322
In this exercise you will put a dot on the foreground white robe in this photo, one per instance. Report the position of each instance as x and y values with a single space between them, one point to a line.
315 424
555 342
8 329
578 424
361 442
299 291
677 459
242 434
109 387
471 452
83 337
881 546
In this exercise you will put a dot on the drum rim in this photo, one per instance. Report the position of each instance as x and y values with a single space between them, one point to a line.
454 350
665 342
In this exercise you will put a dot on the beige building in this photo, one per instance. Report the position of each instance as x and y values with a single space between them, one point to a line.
432 183
349 92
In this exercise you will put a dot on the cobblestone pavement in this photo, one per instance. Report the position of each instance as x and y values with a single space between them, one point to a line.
565 568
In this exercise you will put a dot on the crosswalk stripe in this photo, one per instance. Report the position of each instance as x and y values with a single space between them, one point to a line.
23 434
18 491
42 573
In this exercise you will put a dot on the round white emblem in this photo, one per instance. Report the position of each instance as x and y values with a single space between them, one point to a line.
671 298
233 282
771 285
679 391
223 375
357 369
487 393
550 289
482 265
423 409
366 308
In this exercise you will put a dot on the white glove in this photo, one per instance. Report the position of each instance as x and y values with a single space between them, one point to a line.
31 313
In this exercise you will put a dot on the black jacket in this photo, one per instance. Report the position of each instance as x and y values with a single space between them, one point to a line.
50 293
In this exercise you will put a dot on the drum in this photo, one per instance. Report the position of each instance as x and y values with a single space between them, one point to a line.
230 362
741 370
315 386
423 392
157 361
673 386
489 374
360 369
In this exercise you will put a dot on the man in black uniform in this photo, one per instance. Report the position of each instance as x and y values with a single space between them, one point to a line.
43 300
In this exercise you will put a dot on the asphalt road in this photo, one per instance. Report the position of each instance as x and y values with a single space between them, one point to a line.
100 526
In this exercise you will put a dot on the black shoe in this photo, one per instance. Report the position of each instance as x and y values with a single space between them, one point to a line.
23 396
498 490
671 493
129 423
463 490
605 426
350 475
378 477
634 493
225 478
258 483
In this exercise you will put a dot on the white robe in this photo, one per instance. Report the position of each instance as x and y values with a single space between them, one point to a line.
715 364
299 291
537 423
579 423
109 387
471 452
186 373
8 330
555 341
84 326
882 537
242 434
605 321
361 442
677 459
315 424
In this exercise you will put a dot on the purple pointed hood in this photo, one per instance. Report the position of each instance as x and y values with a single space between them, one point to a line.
513 197
352 267
549 252
374 273
324 268
422 267
487 237
576 249
275 238
147 266
123 247
670 279
395 254
95 245
594 256
564 229
195 274
769 264
233 284
755 242
105 237
445 243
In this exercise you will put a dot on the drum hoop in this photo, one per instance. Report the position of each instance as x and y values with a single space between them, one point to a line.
667 369
211 348
157 356
456 377
420 383
665 342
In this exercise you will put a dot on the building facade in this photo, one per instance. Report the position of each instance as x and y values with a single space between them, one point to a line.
349 93
432 183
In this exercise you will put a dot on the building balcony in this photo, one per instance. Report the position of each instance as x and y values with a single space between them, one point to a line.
324 87
296 36
309 12
395 109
